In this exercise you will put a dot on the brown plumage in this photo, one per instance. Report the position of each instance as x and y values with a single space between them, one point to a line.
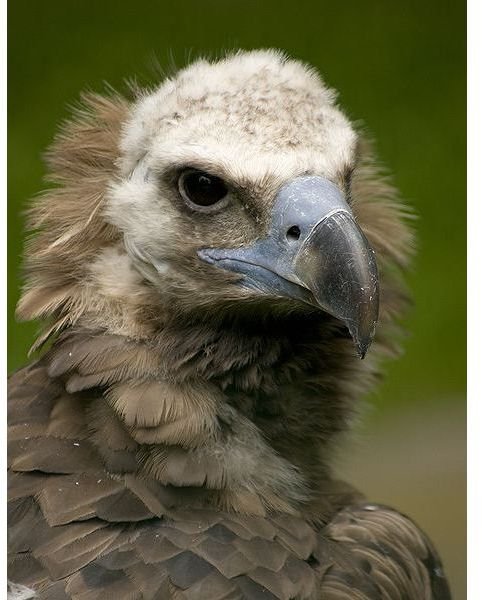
174 440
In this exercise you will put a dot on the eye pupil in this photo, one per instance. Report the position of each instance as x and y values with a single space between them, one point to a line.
201 188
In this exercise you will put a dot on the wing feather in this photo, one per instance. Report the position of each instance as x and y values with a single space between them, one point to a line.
84 524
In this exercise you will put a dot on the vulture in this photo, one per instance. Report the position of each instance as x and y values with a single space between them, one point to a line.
209 265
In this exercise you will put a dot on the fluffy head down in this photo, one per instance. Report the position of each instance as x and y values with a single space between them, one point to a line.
258 114
116 248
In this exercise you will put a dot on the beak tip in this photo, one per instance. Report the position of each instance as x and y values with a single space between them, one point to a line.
363 341
361 349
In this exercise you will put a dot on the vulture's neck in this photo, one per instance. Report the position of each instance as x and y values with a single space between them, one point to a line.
243 410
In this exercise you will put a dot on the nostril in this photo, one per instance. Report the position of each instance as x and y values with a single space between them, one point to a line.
293 233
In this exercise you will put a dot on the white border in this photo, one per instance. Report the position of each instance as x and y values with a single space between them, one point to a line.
3 238
474 299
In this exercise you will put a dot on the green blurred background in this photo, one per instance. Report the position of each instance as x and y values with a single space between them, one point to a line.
400 68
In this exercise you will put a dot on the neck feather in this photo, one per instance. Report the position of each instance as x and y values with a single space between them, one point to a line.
245 410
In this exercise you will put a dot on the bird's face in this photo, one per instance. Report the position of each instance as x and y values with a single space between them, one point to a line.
234 189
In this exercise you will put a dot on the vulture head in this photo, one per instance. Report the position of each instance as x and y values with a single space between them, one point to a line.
234 189
233 221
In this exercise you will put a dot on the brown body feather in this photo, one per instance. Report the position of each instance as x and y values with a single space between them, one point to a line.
166 450
90 517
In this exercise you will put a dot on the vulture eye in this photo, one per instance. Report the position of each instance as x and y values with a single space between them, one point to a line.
200 188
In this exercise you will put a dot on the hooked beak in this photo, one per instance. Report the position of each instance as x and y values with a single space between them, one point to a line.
314 252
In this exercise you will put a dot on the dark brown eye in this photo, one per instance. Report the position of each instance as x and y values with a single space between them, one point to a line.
201 188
